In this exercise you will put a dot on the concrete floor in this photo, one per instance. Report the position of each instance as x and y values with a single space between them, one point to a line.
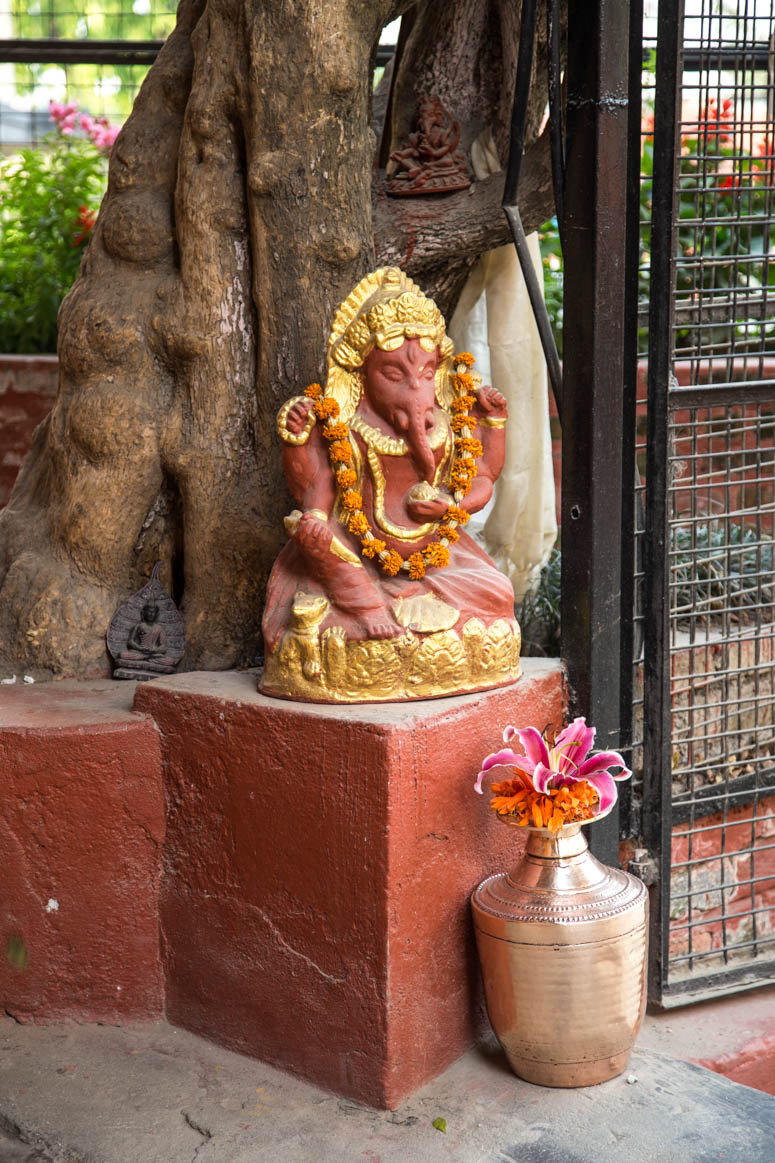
155 1094
712 1029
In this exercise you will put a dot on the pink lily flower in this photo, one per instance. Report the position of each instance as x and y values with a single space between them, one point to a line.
568 761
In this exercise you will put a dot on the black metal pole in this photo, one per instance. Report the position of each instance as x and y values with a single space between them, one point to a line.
511 192
540 314
593 372
521 98
556 128
71 52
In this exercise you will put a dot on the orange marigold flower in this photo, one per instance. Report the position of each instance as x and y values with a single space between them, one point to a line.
325 407
462 403
553 809
436 554
346 477
507 787
416 566
451 534
358 524
462 475
459 422
507 804
335 431
313 391
341 451
373 547
462 487
469 445
455 513
392 563
464 357
352 500
464 382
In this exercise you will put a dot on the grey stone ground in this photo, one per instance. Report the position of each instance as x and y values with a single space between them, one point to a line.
154 1094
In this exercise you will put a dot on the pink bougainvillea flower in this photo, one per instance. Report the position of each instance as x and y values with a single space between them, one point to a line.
68 120
103 134
567 761
59 112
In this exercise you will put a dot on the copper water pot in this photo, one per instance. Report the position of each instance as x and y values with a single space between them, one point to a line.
562 943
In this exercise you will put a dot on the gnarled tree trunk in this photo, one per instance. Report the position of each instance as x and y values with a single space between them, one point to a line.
243 204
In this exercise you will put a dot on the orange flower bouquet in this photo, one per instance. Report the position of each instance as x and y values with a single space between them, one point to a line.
556 782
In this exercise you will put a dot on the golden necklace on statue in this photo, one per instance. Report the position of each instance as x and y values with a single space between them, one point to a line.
461 475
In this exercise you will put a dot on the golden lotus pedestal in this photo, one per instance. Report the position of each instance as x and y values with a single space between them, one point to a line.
429 660
562 943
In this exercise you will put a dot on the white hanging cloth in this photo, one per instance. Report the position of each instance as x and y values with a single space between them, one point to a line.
494 321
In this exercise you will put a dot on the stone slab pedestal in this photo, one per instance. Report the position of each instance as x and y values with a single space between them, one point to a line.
81 831
318 867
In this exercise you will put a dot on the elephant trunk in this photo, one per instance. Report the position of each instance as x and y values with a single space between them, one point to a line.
415 426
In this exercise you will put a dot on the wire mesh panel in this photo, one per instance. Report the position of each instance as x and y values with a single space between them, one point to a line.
722 631
640 210
82 59
712 513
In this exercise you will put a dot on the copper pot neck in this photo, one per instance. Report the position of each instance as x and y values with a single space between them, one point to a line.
564 844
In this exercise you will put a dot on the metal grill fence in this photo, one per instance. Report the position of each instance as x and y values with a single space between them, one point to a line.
713 817
703 797
95 57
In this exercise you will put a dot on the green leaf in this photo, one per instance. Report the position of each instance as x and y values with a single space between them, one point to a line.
41 192
440 1124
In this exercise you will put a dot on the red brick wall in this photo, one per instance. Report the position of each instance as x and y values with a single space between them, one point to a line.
28 386
732 873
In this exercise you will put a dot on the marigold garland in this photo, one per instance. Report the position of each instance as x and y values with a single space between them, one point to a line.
352 501
345 477
551 809
462 471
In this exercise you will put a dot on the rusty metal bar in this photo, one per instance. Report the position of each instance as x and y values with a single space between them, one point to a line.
79 52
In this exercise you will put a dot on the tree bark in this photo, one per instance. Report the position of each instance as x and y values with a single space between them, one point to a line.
239 213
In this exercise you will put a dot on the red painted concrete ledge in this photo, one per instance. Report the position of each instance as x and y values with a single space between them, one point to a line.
304 869
81 832
318 865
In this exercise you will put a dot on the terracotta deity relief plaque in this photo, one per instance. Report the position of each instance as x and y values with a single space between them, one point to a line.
430 162
380 594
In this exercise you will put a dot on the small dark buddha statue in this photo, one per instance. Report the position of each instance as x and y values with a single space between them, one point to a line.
146 637
148 640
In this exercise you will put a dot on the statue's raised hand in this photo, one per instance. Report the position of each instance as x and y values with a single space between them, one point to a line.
424 503
298 415
490 402
428 510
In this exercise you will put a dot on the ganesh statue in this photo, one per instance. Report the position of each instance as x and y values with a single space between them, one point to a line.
380 595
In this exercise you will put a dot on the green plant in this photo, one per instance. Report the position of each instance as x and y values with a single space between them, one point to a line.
725 232
720 566
551 259
539 613
48 201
